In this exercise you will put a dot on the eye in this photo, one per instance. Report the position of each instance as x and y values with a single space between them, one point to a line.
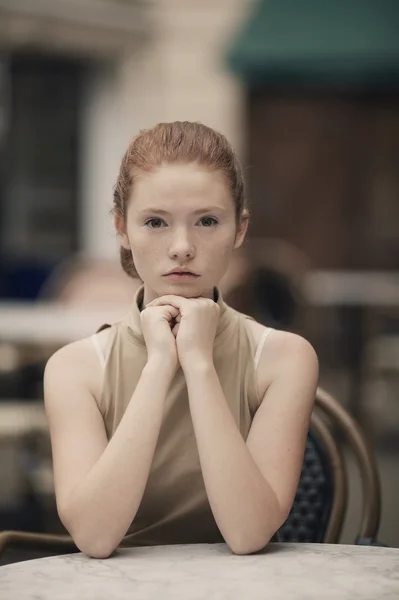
208 221
154 223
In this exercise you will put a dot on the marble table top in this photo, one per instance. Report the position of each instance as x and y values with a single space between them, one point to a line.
198 572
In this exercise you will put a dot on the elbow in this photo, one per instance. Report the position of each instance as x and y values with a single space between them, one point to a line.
258 534
95 548
89 538
248 547
93 545
98 552
249 544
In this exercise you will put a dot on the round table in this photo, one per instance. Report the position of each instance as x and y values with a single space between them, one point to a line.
280 572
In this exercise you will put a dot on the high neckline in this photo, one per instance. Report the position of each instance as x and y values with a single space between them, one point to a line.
133 318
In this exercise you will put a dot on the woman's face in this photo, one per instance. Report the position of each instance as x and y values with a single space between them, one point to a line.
181 216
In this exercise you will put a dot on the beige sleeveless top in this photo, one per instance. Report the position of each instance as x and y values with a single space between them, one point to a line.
175 507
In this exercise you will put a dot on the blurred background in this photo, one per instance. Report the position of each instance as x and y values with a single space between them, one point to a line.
308 93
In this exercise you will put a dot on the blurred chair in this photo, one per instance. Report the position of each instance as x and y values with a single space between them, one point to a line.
269 282
90 283
320 503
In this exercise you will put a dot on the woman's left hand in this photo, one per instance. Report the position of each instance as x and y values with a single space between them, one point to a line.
195 328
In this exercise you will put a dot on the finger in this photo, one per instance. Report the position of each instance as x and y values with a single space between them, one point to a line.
171 312
175 329
174 312
176 301
162 306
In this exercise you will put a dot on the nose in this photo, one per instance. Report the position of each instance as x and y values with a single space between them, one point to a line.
181 247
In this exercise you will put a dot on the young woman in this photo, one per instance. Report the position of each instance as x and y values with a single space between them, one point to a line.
186 421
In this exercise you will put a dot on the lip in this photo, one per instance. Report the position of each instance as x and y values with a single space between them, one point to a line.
182 276
181 271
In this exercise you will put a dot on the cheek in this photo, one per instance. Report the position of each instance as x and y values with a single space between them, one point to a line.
221 248
225 240
143 253
141 243
147 251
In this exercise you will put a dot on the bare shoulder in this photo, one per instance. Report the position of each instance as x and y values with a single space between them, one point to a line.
78 361
288 348
282 353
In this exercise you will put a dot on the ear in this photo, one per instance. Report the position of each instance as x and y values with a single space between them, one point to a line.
120 229
242 229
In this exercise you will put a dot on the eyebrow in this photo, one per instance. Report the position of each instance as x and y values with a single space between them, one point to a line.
159 211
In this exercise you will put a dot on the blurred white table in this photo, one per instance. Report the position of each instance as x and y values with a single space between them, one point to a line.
353 294
199 572
48 323
352 288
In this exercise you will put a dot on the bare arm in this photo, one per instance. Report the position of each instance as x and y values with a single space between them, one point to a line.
251 485
99 485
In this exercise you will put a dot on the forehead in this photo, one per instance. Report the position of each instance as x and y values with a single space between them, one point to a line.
170 185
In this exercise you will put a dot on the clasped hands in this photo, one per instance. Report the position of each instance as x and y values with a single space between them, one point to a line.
193 323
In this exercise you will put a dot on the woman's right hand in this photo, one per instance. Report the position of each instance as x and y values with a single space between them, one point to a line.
157 323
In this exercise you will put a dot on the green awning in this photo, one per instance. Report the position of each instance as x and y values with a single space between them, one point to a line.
353 42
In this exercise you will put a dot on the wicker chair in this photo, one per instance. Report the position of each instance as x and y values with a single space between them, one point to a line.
320 503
